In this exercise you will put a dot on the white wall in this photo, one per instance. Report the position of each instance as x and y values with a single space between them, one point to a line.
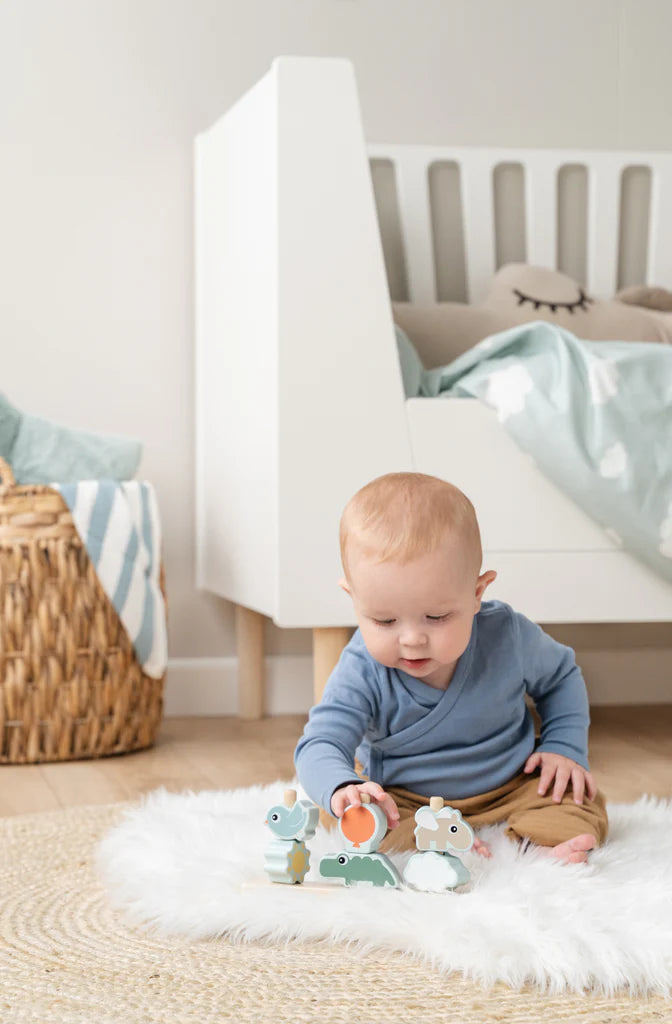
100 102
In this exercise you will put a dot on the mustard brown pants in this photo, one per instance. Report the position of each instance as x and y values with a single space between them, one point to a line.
527 815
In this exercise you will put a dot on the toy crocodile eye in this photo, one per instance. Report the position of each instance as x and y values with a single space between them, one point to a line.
453 828
275 817
342 859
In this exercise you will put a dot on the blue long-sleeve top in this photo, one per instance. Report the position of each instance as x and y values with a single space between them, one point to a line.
463 741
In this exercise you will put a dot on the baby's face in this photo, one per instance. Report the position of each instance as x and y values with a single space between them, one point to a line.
417 616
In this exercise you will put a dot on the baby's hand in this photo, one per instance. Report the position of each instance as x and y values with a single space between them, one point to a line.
562 769
347 795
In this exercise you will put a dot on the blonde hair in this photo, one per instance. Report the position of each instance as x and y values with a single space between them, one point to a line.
402 516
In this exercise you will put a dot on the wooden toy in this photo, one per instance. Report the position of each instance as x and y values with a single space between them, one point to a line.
293 819
318 888
286 862
435 872
374 868
287 859
439 829
363 829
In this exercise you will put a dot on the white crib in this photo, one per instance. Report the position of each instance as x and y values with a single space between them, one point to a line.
299 393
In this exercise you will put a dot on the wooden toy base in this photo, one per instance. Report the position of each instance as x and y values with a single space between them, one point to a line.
261 882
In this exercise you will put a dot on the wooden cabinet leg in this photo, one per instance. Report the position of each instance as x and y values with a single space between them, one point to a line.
328 644
251 663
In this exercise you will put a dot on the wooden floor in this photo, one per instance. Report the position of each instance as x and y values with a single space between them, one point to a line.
630 747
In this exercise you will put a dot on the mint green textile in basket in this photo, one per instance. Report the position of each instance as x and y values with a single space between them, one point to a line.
40 451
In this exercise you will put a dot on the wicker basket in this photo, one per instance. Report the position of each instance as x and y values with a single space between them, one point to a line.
70 683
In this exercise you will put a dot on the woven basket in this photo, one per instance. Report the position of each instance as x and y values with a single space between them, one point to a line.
70 683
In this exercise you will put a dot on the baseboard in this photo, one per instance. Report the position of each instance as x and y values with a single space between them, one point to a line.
208 686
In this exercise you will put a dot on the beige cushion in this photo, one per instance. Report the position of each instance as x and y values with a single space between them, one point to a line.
520 294
650 298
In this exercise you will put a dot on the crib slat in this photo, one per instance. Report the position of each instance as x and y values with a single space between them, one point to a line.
604 216
541 211
416 226
659 253
478 209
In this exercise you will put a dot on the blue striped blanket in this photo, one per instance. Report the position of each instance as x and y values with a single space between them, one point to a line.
120 527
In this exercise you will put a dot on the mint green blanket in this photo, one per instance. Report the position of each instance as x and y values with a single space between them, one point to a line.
595 416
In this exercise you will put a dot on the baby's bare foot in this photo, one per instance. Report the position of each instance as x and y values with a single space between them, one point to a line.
573 851
482 848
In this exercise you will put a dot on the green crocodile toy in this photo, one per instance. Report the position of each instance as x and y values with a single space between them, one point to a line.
373 868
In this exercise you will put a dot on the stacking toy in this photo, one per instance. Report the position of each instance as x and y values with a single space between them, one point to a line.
363 829
440 832
287 858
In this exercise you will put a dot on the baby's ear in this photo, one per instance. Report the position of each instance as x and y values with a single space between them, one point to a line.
482 584
344 585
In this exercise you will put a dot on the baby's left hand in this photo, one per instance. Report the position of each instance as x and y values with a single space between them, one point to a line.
562 769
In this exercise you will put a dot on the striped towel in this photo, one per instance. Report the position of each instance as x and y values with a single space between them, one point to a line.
120 527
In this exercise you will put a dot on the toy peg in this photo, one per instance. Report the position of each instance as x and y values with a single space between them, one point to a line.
436 803
289 797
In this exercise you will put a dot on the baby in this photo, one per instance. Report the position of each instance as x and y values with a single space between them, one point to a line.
429 695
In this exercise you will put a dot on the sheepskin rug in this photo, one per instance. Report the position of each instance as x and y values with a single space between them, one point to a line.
176 863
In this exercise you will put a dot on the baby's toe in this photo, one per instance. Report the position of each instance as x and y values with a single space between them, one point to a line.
578 857
584 842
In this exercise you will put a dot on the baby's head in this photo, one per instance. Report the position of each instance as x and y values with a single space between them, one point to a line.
402 516
411 552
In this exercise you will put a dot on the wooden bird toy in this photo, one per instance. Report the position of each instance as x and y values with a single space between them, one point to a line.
287 858
363 829
439 831
293 819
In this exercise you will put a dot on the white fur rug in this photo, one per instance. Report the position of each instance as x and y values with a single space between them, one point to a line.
176 863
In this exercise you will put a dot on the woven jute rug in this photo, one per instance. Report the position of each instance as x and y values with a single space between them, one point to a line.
66 957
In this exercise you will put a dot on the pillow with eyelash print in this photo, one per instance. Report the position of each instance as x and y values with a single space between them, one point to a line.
519 294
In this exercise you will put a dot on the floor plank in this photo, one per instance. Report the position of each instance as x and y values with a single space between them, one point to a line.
630 749
25 790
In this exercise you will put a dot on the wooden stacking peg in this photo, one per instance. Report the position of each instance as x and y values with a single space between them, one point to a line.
363 829
361 869
287 858
286 862
439 831
441 828
293 819
435 872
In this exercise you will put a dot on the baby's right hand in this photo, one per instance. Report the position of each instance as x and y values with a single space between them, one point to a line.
349 795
